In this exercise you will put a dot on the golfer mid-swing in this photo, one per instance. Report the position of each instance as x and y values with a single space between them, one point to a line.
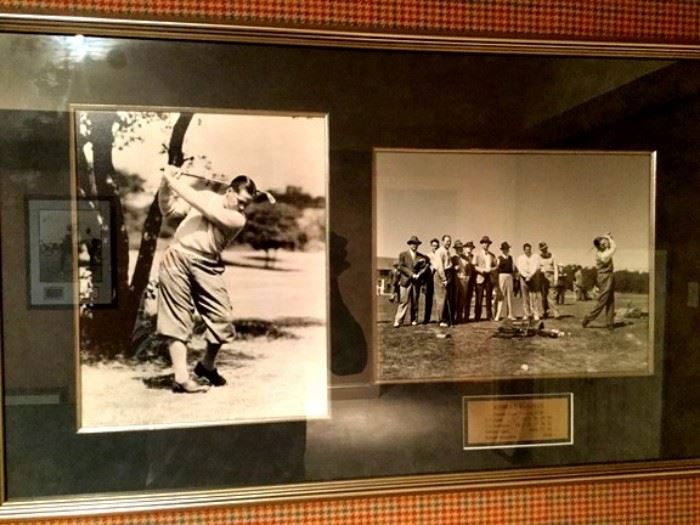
191 272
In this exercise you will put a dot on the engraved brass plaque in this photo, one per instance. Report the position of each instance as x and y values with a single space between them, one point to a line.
517 421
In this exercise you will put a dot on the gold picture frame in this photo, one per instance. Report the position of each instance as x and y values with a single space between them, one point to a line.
434 460
459 172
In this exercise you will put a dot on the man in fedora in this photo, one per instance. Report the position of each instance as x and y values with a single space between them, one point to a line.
431 280
471 279
484 265
462 264
506 271
412 266
444 282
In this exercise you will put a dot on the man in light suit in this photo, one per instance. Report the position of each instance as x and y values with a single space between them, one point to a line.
484 265
528 266
412 265
444 282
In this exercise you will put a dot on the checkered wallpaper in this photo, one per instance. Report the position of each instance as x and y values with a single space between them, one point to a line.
648 20
664 501
661 501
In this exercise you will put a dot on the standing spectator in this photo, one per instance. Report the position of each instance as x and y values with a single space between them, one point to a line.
431 281
561 285
484 264
411 266
506 271
395 277
550 276
605 280
444 285
462 264
579 289
471 280
528 266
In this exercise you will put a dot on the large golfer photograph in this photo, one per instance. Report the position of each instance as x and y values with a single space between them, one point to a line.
220 314
508 264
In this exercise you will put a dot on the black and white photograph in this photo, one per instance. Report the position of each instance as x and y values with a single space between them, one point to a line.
221 281
68 255
497 264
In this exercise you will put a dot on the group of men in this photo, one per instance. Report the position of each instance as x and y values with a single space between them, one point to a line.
452 277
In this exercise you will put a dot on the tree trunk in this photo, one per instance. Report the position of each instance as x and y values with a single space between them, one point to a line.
104 332
107 332
154 219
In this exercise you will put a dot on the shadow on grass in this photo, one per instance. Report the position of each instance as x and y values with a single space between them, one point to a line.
159 382
148 346
616 324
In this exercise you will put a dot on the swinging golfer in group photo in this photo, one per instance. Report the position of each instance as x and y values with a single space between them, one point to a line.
540 304
220 265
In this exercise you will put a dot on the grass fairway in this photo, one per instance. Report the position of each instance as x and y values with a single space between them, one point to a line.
269 379
470 351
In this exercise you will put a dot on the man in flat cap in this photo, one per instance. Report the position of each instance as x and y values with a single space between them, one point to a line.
412 266
484 265
605 249
190 275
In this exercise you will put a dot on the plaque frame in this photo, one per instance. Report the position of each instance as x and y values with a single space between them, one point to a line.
569 440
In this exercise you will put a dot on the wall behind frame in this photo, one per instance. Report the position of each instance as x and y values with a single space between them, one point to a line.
659 501
637 20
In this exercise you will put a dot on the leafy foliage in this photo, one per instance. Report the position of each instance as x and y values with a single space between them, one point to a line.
271 227
625 280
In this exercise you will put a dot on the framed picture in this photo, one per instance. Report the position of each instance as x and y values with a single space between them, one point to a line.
260 187
213 258
70 252
509 281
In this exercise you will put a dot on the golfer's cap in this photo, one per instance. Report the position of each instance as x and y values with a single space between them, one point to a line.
543 245
243 181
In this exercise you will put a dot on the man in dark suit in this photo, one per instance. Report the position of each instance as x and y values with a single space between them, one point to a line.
412 265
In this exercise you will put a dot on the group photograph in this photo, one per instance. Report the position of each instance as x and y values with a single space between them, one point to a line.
498 264
218 244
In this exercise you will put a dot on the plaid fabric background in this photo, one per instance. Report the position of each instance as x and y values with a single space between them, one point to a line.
660 501
648 20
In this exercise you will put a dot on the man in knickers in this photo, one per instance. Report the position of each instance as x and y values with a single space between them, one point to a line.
191 272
